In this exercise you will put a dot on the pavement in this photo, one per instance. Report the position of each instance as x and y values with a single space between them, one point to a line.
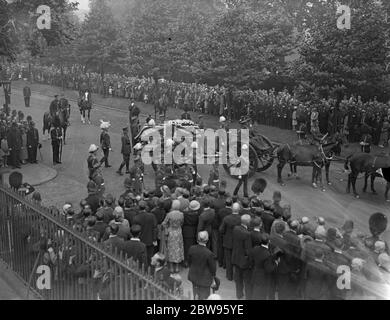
11 287
34 174
69 185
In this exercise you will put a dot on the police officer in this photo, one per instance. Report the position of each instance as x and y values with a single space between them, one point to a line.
56 140
54 106
243 177
126 151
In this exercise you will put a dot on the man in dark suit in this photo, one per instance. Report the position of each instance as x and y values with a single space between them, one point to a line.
135 248
148 224
263 264
206 219
100 227
226 231
267 216
202 267
113 240
316 278
27 96
256 233
32 143
14 140
219 216
242 244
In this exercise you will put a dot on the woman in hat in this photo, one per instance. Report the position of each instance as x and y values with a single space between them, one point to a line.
173 229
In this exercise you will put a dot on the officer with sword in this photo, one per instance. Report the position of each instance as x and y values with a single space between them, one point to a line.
56 141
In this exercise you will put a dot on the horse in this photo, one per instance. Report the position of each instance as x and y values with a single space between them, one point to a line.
335 149
385 174
62 115
307 156
85 104
365 163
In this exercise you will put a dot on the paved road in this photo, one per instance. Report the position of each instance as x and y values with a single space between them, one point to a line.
70 184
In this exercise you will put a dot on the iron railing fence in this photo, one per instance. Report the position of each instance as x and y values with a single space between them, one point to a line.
61 263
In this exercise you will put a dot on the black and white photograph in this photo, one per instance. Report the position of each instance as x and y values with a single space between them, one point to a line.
194 151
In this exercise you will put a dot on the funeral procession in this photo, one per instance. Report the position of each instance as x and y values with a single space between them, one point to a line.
194 150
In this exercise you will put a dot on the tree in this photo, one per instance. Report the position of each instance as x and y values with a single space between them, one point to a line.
245 46
100 46
162 35
25 35
344 61
6 45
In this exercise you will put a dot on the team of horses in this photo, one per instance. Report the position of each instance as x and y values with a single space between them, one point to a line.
322 155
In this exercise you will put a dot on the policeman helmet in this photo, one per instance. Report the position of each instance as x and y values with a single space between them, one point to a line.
138 146
93 148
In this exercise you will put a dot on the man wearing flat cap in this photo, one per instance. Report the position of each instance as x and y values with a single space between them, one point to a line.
126 151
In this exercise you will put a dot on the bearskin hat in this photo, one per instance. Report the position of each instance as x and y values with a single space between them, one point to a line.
259 185
15 180
377 223
171 184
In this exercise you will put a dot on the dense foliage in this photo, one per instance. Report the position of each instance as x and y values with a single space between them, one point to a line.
241 43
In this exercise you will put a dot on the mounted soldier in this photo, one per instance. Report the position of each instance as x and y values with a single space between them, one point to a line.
134 121
54 106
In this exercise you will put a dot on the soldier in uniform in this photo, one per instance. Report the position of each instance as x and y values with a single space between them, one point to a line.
93 163
137 176
126 151
56 140
214 176
186 115
27 96
54 106
242 178
366 140
105 142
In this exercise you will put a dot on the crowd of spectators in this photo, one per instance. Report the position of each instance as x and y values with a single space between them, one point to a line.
268 252
19 139
267 107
